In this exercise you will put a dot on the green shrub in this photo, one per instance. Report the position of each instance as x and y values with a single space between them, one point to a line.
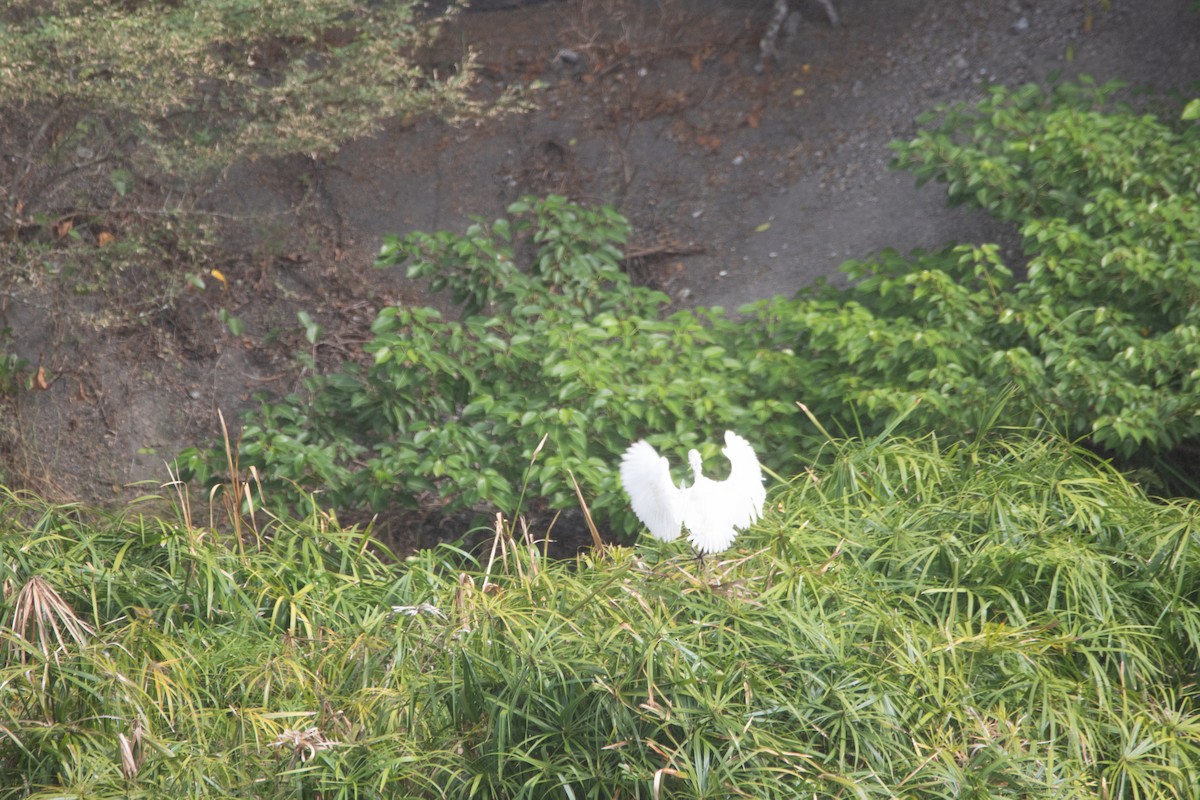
1104 334
563 347
1101 340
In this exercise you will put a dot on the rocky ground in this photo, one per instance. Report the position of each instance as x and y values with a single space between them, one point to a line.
740 185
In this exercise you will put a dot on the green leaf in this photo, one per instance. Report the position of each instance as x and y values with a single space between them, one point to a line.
312 330
121 180
232 323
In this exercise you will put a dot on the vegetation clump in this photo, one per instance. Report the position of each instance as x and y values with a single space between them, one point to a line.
1102 334
203 83
1004 618
567 349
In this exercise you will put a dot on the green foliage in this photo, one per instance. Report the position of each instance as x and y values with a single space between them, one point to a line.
564 347
202 83
1110 307
232 323
1101 340
1000 619
13 368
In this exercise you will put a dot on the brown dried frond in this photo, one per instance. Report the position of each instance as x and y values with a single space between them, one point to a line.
304 744
42 617
131 751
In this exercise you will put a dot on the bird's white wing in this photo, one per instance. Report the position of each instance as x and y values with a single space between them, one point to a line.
646 477
745 479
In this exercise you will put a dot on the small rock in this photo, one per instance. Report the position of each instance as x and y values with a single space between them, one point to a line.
1020 26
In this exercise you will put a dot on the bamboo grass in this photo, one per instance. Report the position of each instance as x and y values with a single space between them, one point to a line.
1008 618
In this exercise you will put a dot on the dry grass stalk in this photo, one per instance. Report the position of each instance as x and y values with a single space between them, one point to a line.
527 537
597 542
497 541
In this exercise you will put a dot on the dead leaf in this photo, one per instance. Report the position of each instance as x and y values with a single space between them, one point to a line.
105 238
752 119
216 273
39 380
63 227
697 62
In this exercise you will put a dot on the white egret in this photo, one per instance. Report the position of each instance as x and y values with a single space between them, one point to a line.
711 511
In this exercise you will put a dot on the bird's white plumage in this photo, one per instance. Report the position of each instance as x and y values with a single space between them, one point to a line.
711 511
656 501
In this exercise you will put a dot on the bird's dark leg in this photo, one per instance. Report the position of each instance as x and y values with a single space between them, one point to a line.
830 12
766 46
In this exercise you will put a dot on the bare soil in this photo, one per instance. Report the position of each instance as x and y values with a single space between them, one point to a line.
739 185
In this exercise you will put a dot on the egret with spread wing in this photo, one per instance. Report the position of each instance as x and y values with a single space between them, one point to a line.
711 511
